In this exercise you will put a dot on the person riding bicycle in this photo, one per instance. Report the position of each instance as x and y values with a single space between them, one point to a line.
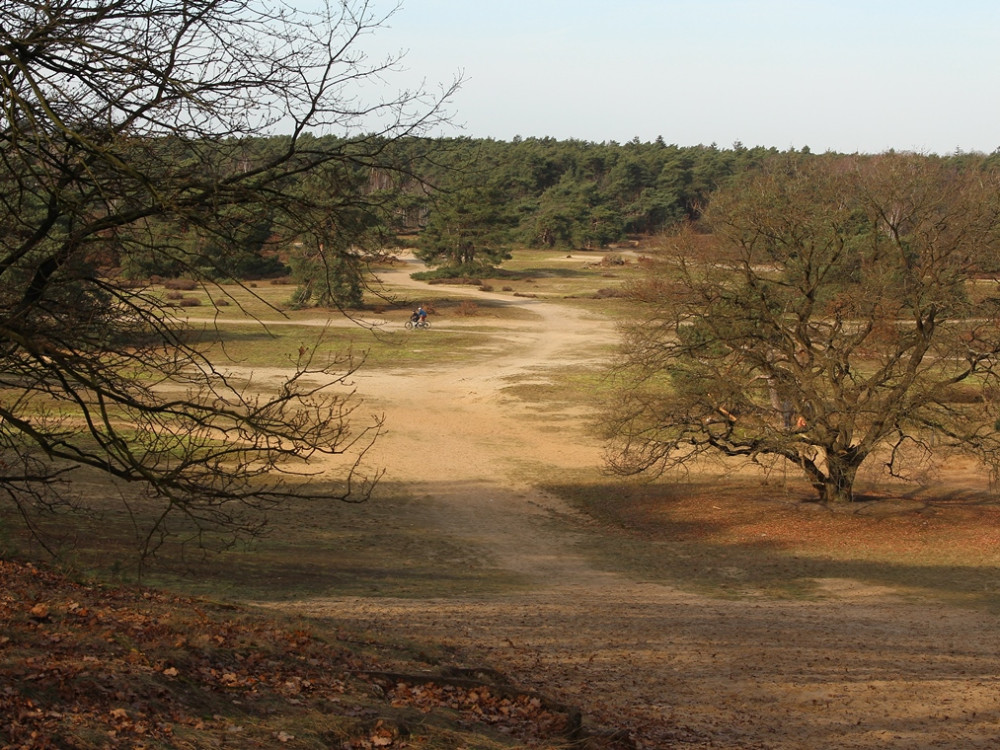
422 314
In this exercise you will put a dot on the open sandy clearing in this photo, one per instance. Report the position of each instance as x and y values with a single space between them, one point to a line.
861 668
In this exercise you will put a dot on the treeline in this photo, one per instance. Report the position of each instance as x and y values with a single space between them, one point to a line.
587 194
492 195
542 192
485 194
468 201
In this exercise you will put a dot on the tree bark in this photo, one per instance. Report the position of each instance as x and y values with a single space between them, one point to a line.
838 485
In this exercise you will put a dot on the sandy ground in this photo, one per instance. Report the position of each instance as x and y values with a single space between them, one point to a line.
862 668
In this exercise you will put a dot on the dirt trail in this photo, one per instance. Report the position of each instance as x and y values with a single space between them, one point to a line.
861 669
455 438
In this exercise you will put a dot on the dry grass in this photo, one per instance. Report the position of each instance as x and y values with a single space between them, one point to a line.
742 538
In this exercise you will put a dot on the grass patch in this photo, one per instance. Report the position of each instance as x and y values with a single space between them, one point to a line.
249 344
558 390
385 547
546 274
388 546
471 274
487 311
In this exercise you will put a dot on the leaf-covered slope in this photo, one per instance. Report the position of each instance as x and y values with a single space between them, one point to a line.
87 666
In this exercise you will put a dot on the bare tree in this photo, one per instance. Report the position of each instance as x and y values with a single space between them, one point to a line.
840 322
127 124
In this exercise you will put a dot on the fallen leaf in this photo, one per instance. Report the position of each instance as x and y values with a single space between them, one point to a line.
40 611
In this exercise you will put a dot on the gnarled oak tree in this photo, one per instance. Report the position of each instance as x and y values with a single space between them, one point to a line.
839 322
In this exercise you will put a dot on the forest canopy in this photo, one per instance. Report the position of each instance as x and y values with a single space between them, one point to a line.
469 201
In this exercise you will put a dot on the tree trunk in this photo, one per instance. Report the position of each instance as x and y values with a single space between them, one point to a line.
838 484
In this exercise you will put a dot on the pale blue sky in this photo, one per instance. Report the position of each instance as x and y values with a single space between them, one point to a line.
844 75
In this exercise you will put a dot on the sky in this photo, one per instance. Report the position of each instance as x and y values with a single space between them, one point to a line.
833 75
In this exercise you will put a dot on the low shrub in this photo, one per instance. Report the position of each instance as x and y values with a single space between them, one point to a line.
184 285
609 292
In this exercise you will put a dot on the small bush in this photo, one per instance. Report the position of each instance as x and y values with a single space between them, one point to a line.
609 292
184 285
174 295
455 280
485 288
472 273
190 302
467 308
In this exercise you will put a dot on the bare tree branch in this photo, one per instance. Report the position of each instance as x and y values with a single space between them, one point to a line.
130 126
